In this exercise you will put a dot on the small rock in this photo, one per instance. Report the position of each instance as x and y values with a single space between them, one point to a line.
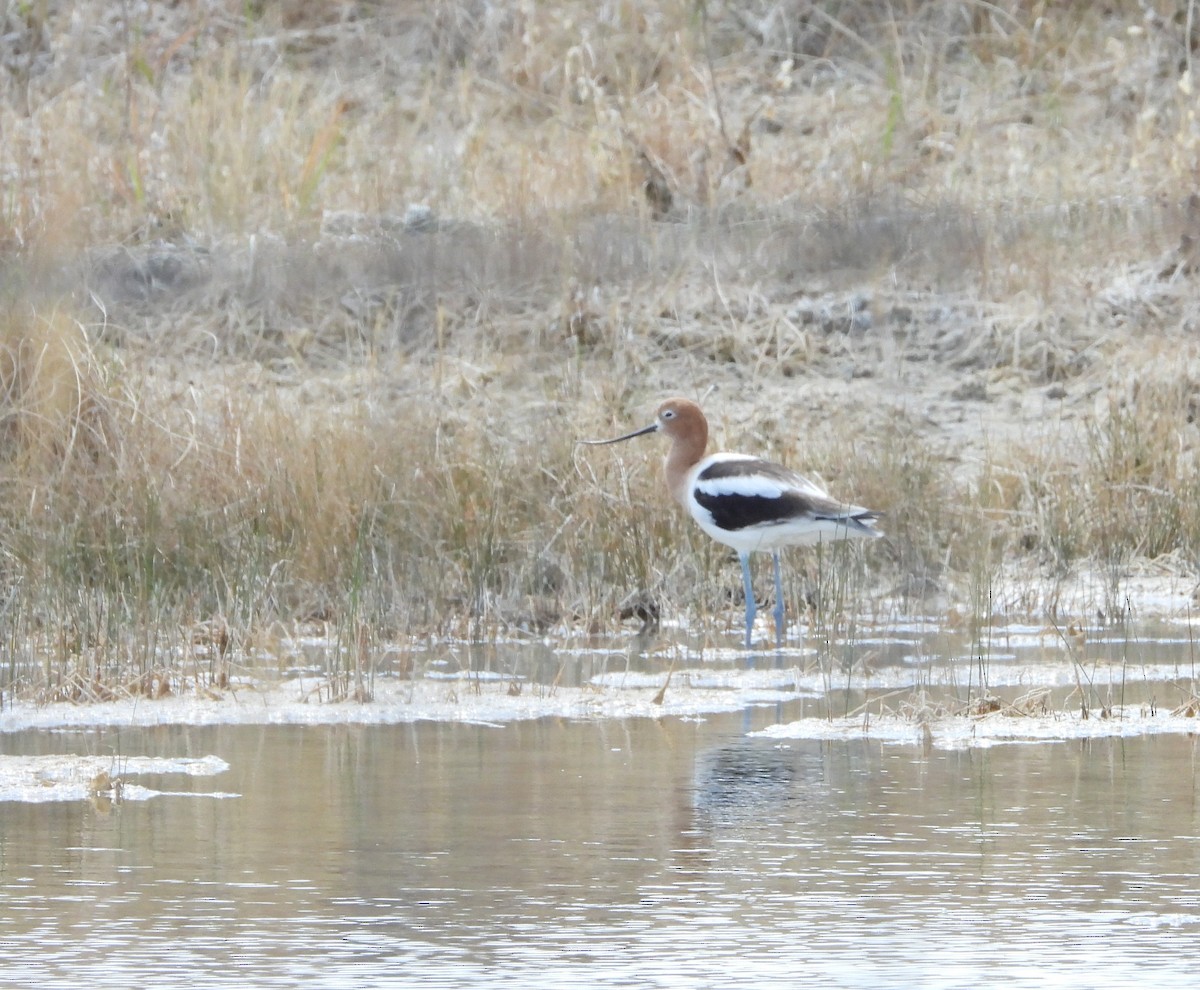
419 217
971 391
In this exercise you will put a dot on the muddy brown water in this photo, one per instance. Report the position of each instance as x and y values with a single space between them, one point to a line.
636 853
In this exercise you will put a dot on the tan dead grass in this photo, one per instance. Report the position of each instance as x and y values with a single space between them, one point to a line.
55 408
304 310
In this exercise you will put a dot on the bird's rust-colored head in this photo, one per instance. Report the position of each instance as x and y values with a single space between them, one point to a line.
682 421
679 419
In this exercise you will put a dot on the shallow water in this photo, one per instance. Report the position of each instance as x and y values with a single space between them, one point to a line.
673 852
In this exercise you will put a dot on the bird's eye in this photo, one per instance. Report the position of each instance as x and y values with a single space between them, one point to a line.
668 414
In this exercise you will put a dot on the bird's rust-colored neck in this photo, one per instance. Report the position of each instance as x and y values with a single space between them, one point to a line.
684 423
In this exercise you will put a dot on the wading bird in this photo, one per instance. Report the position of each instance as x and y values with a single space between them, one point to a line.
747 503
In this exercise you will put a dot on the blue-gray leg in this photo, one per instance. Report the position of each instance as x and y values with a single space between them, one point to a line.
748 587
778 602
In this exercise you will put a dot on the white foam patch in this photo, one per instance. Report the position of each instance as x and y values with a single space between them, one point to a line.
36 779
489 698
305 701
1162 589
964 732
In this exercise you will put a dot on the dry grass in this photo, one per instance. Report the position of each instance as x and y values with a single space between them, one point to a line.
304 305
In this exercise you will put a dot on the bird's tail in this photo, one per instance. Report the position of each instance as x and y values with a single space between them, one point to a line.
858 522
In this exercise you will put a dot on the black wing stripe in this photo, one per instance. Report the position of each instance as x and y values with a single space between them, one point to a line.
734 512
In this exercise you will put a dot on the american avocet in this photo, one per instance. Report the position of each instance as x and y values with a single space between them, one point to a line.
747 503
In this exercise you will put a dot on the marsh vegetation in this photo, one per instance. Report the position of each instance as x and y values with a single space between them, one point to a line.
303 306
